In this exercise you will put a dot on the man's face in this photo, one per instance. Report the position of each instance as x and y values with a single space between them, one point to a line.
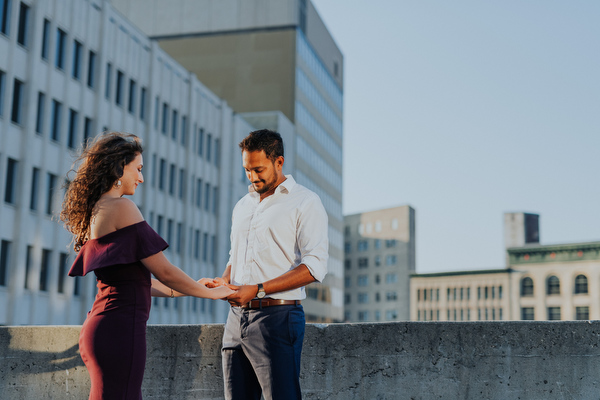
263 173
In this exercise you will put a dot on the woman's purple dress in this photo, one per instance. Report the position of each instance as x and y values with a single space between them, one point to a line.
112 341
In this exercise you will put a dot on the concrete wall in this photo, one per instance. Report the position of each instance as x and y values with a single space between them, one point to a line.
406 360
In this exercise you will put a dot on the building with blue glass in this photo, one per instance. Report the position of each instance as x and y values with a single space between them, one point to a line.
269 55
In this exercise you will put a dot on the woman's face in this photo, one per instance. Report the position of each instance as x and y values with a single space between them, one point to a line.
132 175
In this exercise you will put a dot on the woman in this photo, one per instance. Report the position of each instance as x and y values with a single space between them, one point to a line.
115 242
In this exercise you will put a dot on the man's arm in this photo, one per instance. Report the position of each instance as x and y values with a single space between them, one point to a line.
293 279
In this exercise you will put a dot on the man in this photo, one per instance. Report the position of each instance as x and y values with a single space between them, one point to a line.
278 245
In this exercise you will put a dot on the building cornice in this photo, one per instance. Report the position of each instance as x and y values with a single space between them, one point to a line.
554 253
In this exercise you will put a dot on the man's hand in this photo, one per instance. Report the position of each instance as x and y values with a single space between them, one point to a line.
243 296
209 283
220 281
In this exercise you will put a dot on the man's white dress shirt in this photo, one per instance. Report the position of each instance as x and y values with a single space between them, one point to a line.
273 236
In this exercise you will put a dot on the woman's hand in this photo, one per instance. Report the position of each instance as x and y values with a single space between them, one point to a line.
220 292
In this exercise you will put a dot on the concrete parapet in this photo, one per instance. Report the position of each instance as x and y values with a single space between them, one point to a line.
404 360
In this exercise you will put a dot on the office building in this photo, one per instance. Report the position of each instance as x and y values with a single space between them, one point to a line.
269 55
68 70
379 260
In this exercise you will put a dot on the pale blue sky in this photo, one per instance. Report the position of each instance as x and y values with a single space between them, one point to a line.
469 109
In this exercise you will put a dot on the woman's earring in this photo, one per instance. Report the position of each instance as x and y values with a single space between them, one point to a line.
118 184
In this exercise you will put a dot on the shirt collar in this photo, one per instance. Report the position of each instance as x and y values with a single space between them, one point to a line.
285 186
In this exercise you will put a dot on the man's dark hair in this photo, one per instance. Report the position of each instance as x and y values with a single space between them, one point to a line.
264 139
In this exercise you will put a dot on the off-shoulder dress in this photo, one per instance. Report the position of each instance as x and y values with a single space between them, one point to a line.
112 341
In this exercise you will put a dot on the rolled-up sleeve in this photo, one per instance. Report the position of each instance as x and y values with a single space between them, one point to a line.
313 242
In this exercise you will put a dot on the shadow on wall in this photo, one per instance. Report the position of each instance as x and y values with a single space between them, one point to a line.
51 355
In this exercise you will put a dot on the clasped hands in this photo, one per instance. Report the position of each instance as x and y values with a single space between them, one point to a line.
242 295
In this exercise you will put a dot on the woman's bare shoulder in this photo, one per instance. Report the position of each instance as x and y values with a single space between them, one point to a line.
113 214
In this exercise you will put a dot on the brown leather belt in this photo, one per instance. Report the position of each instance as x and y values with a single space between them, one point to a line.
261 303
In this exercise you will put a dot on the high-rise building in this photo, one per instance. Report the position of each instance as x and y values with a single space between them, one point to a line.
68 70
269 55
379 259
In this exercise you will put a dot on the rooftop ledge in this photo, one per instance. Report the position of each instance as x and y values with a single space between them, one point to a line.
402 360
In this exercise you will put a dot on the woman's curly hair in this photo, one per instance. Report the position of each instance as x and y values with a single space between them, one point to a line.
101 165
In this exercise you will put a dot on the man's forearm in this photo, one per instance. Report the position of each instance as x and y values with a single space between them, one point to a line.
297 277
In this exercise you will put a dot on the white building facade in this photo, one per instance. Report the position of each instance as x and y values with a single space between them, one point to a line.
68 70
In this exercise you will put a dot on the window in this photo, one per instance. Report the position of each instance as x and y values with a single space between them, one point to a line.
197 244
51 187
390 243
10 190
61 44
45 39
378 243
553 313
391 315
348 264
174 121
77 54
363 245
28 261
582 313
215 203
181 183
499 292
183 130
107 85
159 225
377 279
17 104
180 239
4 260
56 120
132 90
390 259
73 119
23 24
363 280
2 86
165 118
172 181
526 287
581 284
169 233
143 104
46 255
200 142
391 278
199 193
91 69
62 272
156 104
119 95
363 316
363 263
377 261
162 174
39 122
87 130
347 282
347 247
391 296
363 298
347 298
35 183
206 196
217 150
4 16
208 146
552 285
205 247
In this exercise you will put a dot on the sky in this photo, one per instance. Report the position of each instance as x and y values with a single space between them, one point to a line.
466 110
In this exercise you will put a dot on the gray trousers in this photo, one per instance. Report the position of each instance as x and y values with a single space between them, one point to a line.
261 353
